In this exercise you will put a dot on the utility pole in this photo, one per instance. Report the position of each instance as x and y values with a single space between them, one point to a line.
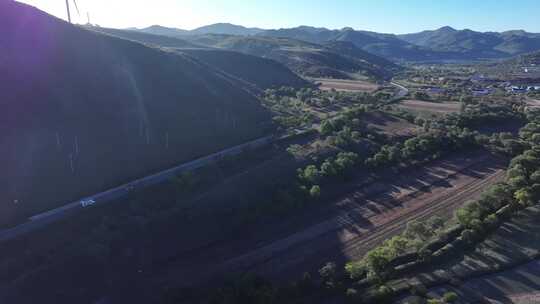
167 140
76 145
68 12
58 145
71 163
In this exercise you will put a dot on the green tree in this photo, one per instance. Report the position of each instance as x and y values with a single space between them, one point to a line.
327 128
315 192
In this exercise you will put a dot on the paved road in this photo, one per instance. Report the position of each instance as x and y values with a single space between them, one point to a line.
43 219
403 91
48 217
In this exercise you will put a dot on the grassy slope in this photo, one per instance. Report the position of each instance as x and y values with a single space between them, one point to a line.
63 84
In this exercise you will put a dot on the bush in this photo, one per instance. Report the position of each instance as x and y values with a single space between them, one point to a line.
352 293
383 294
328 271
450 297
315 192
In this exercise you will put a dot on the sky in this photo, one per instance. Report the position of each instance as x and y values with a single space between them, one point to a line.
386 16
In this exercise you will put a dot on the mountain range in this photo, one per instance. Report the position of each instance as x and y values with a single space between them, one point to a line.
335 59
442 44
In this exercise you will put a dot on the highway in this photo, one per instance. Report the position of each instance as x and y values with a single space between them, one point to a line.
43 219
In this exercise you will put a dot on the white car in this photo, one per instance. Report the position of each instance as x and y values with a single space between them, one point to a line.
87 202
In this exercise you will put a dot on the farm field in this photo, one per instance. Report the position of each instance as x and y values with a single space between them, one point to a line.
433 107
346 85
353 224
504 268
390 125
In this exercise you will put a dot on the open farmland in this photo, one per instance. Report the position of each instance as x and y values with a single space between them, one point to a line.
430 107
346 85
356 222
390 125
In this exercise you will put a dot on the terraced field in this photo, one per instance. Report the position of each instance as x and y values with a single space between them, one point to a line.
346 85
361 219
433 107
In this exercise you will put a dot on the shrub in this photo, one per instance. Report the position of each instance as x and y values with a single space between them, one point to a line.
352 293
450 297
383 294
315 192
328 271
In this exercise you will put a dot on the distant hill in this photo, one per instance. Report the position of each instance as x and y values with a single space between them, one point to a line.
162 30
385 45
226 29
82 111
147 38
469 44
336 60
217 28
252 70
444 44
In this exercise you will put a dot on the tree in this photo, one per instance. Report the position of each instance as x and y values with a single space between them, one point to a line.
467 213
328 273
326 127
525 197
315 192
328 168
310 174
450 297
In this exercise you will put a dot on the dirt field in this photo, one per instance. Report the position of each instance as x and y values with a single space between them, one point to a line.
360 220
534 103
434 107
390 125
346 85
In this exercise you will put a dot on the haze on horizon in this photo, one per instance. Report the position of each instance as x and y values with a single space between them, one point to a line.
385 16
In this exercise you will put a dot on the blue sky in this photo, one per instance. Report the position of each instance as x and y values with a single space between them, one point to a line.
390 16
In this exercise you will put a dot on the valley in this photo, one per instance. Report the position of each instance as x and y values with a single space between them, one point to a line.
230 164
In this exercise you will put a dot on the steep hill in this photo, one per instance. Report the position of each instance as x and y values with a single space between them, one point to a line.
308 59
82 111
260 72
255 71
